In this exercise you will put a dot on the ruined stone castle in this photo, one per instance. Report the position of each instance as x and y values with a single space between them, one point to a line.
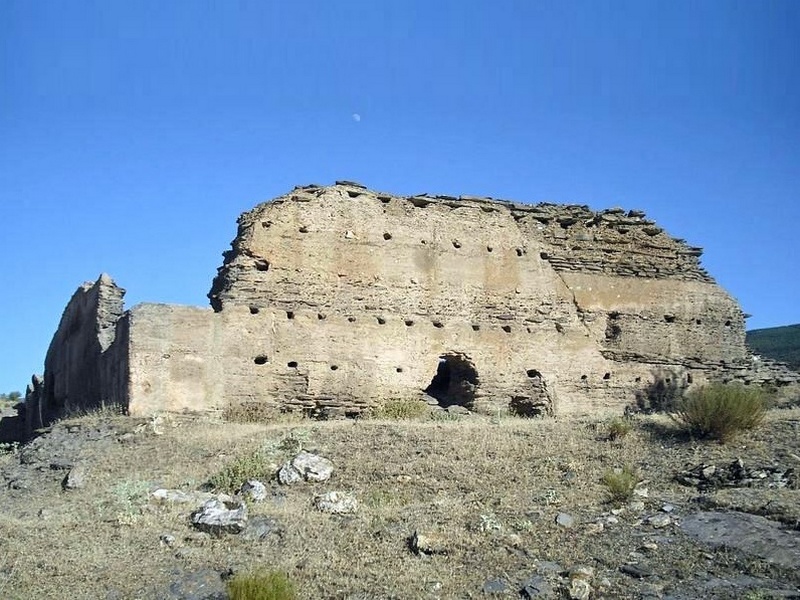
335 299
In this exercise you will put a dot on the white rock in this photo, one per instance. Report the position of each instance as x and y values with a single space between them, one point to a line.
337 503
660 520
429 543
288 474
579 589
221 515
305 465
254 490
565 520
75 478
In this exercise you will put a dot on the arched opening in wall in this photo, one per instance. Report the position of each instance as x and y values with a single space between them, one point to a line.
455 382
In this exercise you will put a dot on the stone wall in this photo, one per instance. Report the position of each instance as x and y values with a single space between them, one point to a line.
334 299
84 367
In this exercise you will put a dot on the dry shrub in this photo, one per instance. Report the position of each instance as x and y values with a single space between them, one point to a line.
618 429
721 411
250 412
272 585
620 483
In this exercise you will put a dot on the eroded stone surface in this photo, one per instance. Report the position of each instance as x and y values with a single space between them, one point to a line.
747 533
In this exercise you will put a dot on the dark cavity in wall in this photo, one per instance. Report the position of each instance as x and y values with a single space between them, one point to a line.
455 381
537 402
613 329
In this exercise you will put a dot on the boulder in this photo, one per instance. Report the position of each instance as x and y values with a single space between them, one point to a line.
305 466
222 514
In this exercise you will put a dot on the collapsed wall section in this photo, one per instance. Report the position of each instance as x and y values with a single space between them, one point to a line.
86 364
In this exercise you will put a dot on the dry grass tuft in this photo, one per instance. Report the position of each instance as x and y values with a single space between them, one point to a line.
272 585
618 428
620 483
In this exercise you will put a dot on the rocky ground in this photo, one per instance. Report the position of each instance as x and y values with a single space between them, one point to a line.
459 506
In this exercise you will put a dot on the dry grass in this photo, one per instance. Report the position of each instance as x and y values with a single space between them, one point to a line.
620 483
490 488
399 410
262 585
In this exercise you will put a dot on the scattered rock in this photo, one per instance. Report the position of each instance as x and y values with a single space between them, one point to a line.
305 466
428 543
494 586
636 506
167 540
76 477
548 567
203 584
579 589
594 528
179 497
337 503
636 571
259 528
581 572
649 547
660 520
705 477
221 515
565 520
537 587
254 490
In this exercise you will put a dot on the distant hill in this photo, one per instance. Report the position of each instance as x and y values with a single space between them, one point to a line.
778 343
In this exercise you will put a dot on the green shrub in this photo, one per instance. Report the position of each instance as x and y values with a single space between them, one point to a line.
253 465
400 409
271 585
720 411
620 483
618 428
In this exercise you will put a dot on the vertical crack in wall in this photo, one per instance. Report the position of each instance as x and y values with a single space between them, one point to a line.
578 308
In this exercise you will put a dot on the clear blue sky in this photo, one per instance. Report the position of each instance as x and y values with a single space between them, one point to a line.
132 134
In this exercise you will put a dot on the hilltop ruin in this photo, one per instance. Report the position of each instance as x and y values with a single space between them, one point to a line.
334 299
